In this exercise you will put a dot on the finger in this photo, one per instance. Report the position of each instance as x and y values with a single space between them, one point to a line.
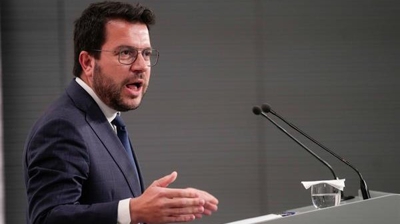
208 212
211 207
165 181
209 198
180 193
184 202
180 218
206 196
185 210
212 200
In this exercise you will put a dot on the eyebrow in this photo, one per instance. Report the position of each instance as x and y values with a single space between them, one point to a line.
130 47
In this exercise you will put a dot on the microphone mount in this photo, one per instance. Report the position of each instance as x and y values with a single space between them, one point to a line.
363 185
258 111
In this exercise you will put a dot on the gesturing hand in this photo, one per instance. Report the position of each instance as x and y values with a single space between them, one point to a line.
159 204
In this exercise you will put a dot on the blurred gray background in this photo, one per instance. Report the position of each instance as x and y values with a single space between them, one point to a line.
330 67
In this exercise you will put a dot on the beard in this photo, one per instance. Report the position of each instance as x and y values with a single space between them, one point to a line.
110 92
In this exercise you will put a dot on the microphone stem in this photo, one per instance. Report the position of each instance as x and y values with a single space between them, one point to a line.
363 184
301 144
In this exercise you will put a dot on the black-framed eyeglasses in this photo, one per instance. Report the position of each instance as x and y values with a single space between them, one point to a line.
128 55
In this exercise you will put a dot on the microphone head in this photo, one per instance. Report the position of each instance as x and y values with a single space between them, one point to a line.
266 108
256 110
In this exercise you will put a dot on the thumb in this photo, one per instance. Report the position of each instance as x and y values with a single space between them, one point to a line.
165 181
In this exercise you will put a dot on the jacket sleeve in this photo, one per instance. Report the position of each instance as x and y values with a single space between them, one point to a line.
56 168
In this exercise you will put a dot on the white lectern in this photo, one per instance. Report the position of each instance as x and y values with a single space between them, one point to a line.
383 209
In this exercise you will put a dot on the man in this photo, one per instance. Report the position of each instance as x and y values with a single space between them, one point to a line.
78 168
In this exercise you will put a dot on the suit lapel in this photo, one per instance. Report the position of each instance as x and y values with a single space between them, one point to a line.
111 142
102 128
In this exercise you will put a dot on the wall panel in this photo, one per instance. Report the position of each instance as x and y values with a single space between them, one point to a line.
328 66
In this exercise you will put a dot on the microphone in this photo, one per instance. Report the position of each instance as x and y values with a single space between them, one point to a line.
363 185
258 111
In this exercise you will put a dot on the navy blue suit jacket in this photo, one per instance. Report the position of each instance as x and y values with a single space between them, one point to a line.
76 169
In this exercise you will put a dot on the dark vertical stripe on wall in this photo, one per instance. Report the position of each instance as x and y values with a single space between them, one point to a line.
61 41
31 70
1 135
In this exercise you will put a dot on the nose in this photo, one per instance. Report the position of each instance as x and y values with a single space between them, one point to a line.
139 64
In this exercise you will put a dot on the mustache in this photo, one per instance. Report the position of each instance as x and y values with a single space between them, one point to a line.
138 75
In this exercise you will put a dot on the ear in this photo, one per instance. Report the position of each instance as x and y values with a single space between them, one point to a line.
87 63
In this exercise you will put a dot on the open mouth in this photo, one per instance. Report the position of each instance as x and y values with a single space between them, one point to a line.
135 85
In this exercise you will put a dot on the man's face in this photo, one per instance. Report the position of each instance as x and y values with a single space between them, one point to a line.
120 86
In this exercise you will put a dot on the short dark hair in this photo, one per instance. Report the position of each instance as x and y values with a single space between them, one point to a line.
89 32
